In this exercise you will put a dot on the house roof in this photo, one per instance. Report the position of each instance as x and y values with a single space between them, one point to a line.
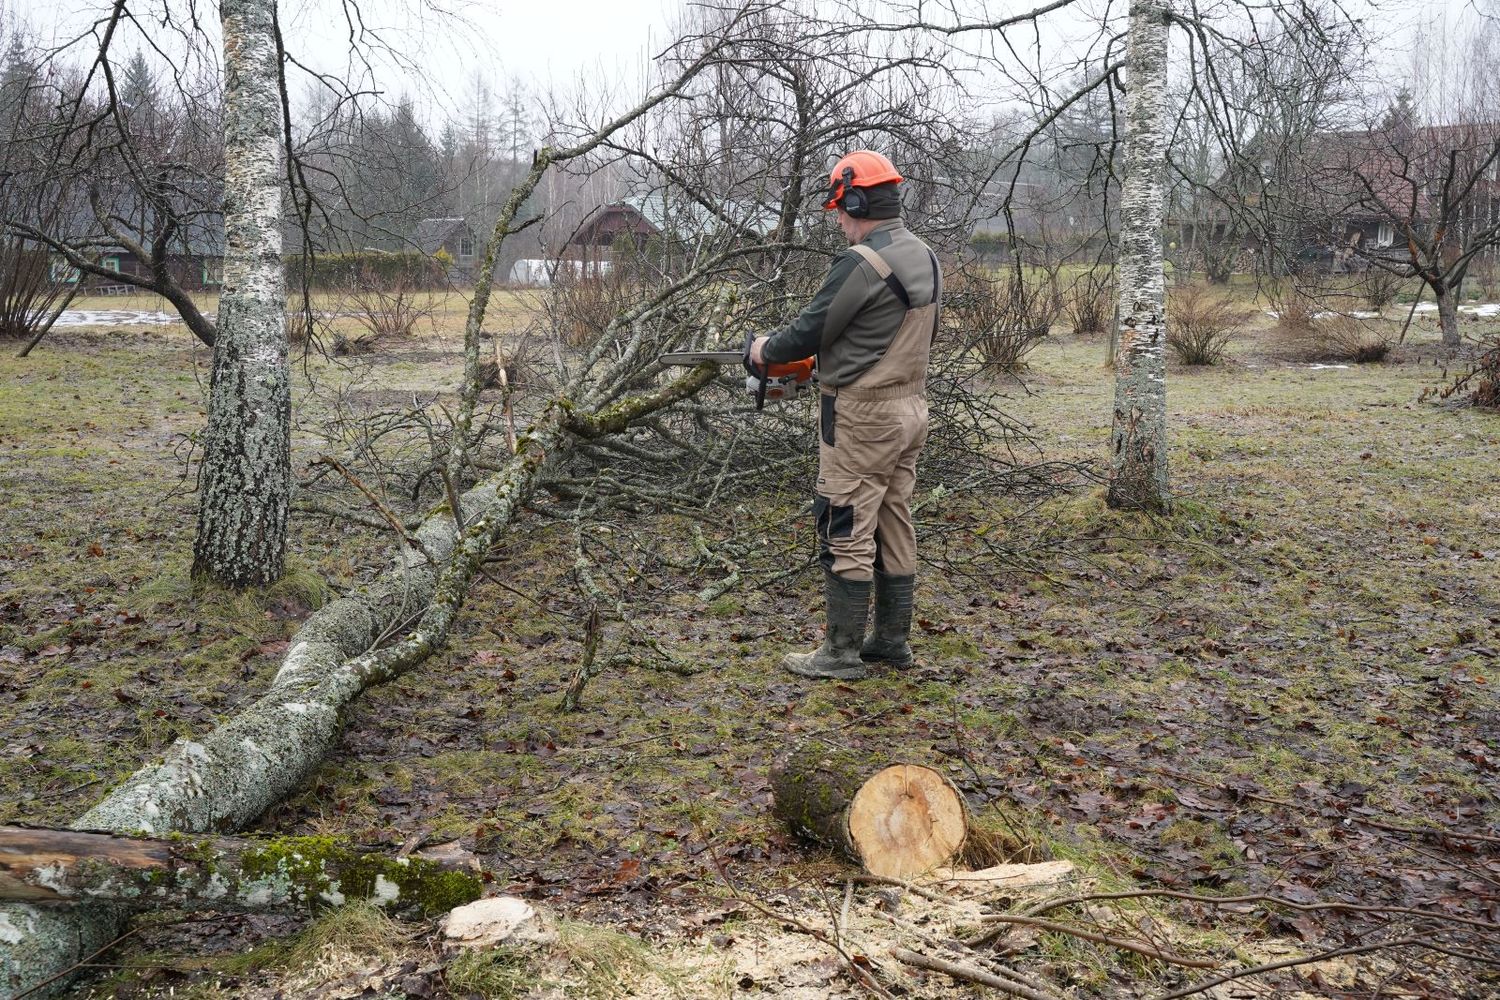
683 215
197 206
432 234
603 224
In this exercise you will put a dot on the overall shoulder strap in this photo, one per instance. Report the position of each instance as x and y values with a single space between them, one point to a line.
873 258
937 289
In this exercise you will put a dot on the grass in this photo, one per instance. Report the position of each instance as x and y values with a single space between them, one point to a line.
1308 617
509 310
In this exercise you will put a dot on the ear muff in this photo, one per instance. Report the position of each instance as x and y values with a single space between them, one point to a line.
854 200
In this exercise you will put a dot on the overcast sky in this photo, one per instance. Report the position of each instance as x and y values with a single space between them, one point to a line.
545 45
548 45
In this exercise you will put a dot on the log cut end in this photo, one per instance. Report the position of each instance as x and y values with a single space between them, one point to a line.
897 820
905 820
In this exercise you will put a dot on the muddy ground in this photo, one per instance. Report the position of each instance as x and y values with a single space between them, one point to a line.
1287 687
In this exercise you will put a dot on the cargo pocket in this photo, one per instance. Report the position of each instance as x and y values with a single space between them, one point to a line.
826 418
833 512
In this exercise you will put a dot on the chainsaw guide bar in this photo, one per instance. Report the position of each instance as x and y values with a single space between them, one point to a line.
701 357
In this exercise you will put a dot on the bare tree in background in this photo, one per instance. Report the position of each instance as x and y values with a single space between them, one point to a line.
1417 191
1138 439
102 164
1420 200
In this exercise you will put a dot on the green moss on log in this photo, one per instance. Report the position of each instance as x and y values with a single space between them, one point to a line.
323 870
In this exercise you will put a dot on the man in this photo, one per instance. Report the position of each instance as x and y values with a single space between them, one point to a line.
871 325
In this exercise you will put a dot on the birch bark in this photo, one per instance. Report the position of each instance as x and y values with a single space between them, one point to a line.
1138 440
245 480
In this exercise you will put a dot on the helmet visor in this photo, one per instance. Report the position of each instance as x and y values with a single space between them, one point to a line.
835 195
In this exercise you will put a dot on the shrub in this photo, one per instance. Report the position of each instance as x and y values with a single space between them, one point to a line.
348 270
298 330
1293 307
304 325
388 306
27 292
1379 287
580 307
1090 301
1488 279
1002 319
990 245
1344 338
1199 326
1479 382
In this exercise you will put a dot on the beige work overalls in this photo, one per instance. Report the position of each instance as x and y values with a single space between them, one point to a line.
870 433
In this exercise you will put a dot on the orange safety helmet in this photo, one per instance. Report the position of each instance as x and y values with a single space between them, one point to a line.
862 168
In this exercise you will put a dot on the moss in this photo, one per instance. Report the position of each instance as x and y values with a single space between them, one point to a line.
319 867
953 646
1214 845
726 606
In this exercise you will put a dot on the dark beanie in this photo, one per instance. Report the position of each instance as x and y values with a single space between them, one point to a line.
885 201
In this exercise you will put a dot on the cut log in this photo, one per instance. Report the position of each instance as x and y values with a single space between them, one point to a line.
39 865
895 820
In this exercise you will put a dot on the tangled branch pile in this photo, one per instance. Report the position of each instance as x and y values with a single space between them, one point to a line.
743 242
1479 382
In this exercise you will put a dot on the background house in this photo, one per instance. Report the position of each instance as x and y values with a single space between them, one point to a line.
194 257
604 234
453 237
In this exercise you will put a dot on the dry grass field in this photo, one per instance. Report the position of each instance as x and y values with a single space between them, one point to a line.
1287 687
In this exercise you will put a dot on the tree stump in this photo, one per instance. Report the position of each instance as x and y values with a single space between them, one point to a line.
894 819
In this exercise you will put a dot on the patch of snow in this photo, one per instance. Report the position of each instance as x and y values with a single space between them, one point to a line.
1329 313
1317 367
116 317
1482 310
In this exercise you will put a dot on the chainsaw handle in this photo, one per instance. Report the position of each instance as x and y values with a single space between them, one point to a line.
761 373
800 371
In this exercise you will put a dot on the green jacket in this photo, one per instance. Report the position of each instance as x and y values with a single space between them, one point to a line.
851 320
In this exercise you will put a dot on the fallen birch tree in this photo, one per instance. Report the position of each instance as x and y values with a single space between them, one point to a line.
231 775
230 874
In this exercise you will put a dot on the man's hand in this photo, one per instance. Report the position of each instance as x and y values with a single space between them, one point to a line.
757 351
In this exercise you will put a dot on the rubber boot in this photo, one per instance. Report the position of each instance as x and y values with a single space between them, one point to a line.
848 607
887 642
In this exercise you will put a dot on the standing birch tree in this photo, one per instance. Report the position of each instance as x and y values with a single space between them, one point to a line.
245 479
1138 440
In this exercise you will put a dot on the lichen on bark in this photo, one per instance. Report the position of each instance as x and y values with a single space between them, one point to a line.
245 478
1138 438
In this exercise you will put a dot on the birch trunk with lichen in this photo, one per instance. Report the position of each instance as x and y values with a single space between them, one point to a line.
245 481
1138 439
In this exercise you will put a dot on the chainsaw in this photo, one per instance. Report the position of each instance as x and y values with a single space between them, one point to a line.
767 381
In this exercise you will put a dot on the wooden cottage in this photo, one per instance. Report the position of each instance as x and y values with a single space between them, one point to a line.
454 238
